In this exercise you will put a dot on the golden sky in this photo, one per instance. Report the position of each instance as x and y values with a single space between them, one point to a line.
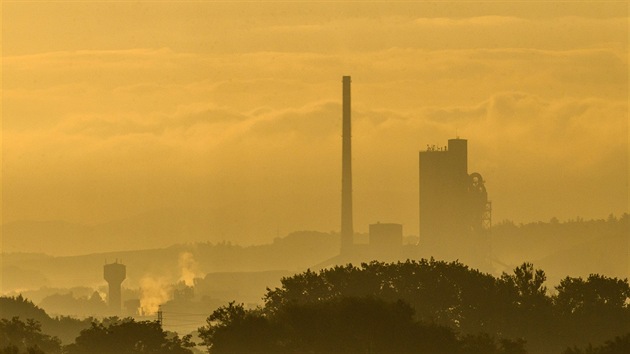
232 110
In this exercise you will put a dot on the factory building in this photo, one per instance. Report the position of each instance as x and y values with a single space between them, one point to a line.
455 213
386 235
386 241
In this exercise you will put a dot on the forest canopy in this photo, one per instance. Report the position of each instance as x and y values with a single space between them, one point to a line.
346 303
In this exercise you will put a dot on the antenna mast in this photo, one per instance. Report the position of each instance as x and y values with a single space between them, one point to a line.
159 315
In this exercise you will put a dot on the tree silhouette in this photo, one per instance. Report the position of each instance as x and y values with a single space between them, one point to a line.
594 309
17 336
514 307
618 345
63 327
341 325
18 306
530 311
233 329
126 337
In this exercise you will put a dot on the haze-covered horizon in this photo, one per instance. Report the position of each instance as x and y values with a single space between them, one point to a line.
109 237
226 117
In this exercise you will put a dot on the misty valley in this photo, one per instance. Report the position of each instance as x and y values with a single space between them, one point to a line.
275 298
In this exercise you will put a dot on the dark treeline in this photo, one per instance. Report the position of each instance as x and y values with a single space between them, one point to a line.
64 328
24 332
342 325
312 309
618 345
17 336
109 336
421 306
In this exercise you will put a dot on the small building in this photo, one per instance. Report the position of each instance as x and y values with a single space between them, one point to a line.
386 236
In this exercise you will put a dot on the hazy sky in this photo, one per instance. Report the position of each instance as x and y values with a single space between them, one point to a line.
233 109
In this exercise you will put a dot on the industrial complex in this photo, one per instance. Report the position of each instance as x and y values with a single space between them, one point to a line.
454 218
455 213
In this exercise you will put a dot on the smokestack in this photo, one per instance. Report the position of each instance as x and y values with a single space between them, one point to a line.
346 177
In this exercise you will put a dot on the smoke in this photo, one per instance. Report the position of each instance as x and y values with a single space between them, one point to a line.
156 291
153 293
188 267
104 295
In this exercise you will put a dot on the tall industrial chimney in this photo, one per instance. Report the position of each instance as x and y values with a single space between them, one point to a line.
346 177
115 274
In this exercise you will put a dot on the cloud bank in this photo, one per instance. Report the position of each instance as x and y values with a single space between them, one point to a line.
246 123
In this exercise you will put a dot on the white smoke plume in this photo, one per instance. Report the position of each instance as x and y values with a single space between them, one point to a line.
188 268
153 293
156 291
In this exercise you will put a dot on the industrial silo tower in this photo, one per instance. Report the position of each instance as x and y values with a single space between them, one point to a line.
455 213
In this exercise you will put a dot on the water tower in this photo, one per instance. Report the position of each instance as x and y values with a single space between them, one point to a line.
115 274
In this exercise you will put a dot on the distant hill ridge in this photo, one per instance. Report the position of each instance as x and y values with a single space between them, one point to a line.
297 251
576 248
155 229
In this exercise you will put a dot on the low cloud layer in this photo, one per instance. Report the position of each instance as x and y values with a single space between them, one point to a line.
253 134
